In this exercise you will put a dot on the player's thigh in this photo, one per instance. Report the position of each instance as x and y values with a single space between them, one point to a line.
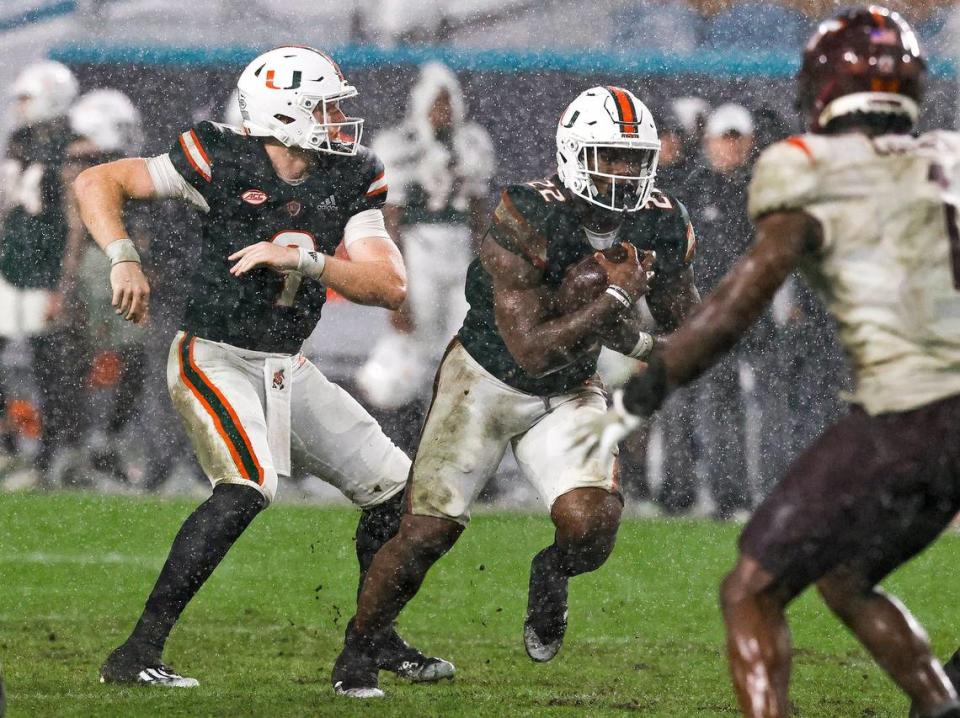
870 493
336 439
553 458
222 413
470 422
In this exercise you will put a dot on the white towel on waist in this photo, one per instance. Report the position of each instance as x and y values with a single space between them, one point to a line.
278 380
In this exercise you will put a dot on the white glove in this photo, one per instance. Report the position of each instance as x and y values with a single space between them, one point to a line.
604 433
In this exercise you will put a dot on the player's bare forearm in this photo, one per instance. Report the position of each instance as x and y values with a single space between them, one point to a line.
672 301
547 345
622 334
102 191
540 344
378 283
741 297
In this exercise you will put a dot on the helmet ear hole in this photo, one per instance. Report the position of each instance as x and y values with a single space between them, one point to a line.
285 119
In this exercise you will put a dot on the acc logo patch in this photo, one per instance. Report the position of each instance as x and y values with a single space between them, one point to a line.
254 196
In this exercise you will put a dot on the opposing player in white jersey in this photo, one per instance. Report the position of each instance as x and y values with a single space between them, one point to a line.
868 212
277 198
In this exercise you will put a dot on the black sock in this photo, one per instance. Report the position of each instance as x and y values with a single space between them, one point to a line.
548 578
377 525
952 669
201 544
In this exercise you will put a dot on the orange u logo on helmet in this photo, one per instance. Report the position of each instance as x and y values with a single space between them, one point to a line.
294 82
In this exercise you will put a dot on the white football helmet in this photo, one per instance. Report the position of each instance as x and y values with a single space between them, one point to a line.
611 119
280 92
43 91
231 111
108 119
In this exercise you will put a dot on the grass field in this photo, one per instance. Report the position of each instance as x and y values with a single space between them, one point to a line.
645 634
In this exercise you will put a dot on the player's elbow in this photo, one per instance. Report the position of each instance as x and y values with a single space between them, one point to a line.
394 292
86 183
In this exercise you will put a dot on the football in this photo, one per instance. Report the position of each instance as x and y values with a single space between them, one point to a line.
585 281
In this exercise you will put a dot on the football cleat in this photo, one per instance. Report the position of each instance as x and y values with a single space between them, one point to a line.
355 671
158 675
544 647
124 665
397 656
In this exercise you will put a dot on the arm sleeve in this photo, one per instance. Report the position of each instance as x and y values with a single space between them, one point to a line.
168 182
365 225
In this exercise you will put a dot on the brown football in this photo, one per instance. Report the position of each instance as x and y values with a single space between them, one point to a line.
582 283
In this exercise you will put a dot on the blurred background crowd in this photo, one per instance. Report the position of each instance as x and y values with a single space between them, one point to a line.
460 98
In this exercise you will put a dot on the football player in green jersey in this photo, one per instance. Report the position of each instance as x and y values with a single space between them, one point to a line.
521 371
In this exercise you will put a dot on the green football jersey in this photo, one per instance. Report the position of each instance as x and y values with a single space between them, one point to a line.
34 233
539 222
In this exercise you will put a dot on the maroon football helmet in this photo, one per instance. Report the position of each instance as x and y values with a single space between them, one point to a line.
866 61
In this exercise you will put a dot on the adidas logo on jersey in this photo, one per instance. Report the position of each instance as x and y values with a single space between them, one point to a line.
329 203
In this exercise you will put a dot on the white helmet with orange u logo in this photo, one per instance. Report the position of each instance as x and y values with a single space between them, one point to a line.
606 123
293 95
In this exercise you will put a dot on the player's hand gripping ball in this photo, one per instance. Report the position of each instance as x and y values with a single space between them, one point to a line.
585 281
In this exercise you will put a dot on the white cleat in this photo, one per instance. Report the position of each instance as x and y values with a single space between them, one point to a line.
360 693
155 676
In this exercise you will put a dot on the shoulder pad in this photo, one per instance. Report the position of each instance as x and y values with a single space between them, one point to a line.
196 151
372 192
785 176
519 222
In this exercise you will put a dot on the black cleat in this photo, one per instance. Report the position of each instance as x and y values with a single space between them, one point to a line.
355 671
126 665
397 656
546 622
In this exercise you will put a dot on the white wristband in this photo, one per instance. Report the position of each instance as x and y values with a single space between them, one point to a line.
643 348
311 263
620 294
121 250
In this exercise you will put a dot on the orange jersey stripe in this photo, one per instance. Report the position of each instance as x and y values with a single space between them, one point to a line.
193 163
203 152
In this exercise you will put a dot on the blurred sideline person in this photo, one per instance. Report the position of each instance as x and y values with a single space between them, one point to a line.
278 198
108 127
868 212
522 370
440 166
33 237
717 404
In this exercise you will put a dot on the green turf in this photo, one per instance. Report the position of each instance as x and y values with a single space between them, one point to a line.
645 633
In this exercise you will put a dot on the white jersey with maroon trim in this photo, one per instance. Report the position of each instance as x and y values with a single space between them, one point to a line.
889 268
